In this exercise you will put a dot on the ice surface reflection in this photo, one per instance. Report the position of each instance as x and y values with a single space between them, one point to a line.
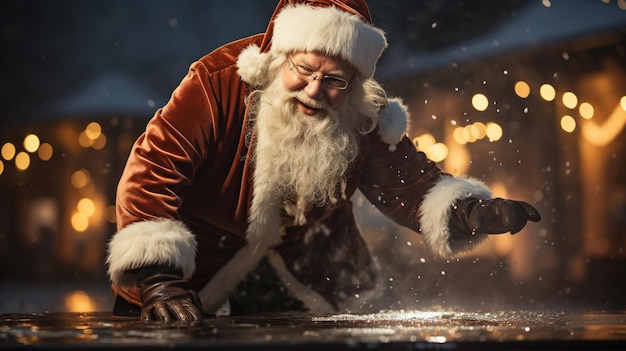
441 327
379 330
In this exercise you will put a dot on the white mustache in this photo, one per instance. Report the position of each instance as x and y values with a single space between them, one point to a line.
318 104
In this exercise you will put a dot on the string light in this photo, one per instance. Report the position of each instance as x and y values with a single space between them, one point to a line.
480 102
8 151
31 143
547 92
522 89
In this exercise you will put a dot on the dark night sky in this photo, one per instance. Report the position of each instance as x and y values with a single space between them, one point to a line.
52 48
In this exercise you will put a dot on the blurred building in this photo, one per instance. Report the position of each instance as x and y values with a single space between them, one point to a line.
536 108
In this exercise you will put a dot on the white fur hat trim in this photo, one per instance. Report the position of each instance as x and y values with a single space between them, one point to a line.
331 31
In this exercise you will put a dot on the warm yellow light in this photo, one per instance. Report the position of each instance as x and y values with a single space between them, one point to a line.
480 102
80 178
84 140
586 110
438 152
31 143
80 222
469 134
424 141
45 151
22 161
604 133
458 137
79 301
1 167
522 89
474 132
480 129
8 151
93 130
547 92
622 102
568 123
86 206
570 100
99 142
494 131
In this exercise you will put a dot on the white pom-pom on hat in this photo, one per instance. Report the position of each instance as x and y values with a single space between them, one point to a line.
252 65
393 123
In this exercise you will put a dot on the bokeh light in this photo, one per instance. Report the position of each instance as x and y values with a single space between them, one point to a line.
586 110
45 151
424 141
470 133
84 140
494 131
8 151
458 137
522 89
86 206
570 100
480 129
100 142
568 123
80 222
547 92
438 152
31 143
92 137
476 131
93 130
480 102
22 161
80 178
79 301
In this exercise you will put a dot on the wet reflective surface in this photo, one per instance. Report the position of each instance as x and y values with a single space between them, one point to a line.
410 330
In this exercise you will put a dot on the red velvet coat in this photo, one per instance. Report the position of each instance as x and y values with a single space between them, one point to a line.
192 166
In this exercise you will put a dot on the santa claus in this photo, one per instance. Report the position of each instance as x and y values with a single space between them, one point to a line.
249 170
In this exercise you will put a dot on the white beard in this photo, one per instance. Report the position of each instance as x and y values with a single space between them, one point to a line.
303 160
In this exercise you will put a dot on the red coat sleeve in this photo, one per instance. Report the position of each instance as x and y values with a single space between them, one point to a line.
165 157
397 181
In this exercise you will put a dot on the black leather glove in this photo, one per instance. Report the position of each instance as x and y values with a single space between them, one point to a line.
493 216
166 296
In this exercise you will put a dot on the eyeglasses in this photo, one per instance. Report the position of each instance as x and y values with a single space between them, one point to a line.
308 74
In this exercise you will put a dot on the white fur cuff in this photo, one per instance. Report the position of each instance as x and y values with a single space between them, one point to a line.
156 242
435 212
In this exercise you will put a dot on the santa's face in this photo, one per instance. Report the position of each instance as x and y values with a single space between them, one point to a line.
304 145
319 77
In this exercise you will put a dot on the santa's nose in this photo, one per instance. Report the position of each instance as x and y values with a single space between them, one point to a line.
314 89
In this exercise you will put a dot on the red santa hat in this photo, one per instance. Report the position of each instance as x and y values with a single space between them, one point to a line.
333 27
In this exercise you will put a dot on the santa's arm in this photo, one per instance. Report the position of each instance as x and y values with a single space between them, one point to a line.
453 213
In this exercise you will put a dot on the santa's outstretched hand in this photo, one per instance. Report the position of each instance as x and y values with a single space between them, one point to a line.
492 216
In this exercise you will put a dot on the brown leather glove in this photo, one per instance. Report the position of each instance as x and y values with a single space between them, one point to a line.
166 296
493 216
